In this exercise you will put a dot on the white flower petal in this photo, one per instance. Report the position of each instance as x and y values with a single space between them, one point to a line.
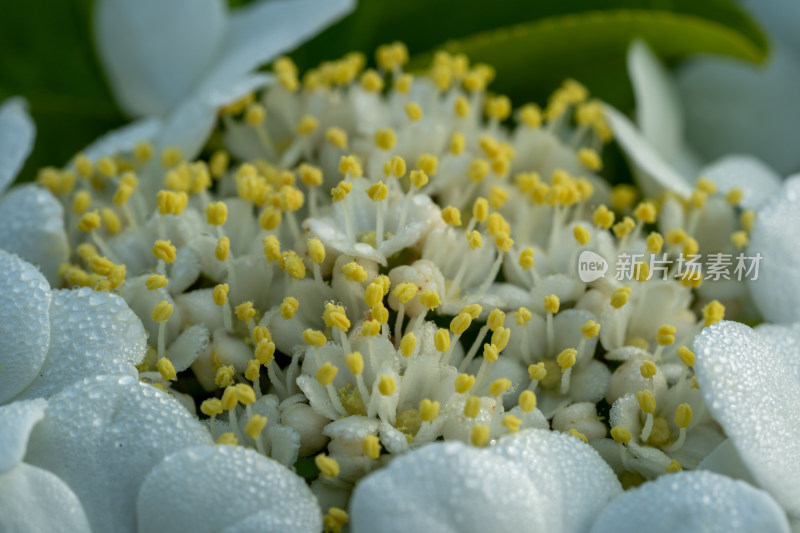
692 501
124 139
16 423
188 347
33 228
259 32
24 324
33 500
750 392
776 290
91 333
784 341
755 179
181 493
103 436
17 133
653 172
155 52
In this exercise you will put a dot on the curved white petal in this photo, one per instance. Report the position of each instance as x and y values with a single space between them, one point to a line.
181 494
24 324
785 341
776 290
188 347
33 500
736 107
33 228
259 32
752 394
692 501
755 179
103 436
16 422
123 139
653 172
91 333
17 133
155 52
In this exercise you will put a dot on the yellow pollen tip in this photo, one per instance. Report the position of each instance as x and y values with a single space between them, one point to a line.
220 294
645 212
314 337
326 374
162 311
413 111
480 435
496 319
522 316
581 235
316 250
500 338
386 385
665 335
171 156
552 304
490 353
575 433
713 312
244 393
566 359
377 192
428 410
683 415
227 438
460 323
590 159
451 215
527 401
255 426
464 382
289 307
686 356
624 227
217 213
430 299
89 221
223 378
328 466
265 351
156 281
674 466
590 329
354 272
707 186
499 386
621 435
526 260
747 219
620 297
245 311
531 116
407 344
355 363
537 371
253 371
166 369
647 401
740 239
734 196
211 407
511 423
371 446
222 248
648 369
498 108
472 407
603 217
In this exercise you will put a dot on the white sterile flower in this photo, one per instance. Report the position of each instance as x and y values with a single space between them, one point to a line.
183 60
692 501
31 218
184 492
776 290
750 388
451 487
32 499
55 338
103 436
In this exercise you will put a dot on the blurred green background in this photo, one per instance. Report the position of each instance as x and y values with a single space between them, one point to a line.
48 55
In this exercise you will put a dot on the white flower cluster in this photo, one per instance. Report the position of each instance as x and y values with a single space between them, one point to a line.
377 262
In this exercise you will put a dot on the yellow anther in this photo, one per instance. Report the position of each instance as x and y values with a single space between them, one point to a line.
100 265
89 221
220 294
645 212
217 213
623 227
337 137
291 198
621 435
311 176
255 114
355 363
526 259
349 165
413 111
478 170
384 281
590 159
222 249
441 340
713 312
166 369
581 235
335 317
674 466
227 438
490 353
386 385
371 81
566 359
474 239
603 218
143 151
307 125
451 215
86 251
648 369
501 166
686 356
111 221
404 292
460 323
211 407
740 239
218 165
531 115
396 167
747 219
293 265
314 337
522 316
641 272
527 401
698 199
428 163
328 466
464 382
690 246
620 297
270 218
511 423
647 401
385 139
479 435
734 196
428 410
371 446
316 250
81 202
675 236
245 394
162 311
335 520
430 299
457 144
378 192
575 433
639 342
552 303
171 156
253 370
171 202
83 165
418 178
683 415
498 107
499 386
354 272
373 294
497 224
402 84
665 335
289 307
156 281
265 351
472 407
480 209
590 329
707 186
326 373
245 311
500 338
490 147
655 242
622 197
164 251
255 426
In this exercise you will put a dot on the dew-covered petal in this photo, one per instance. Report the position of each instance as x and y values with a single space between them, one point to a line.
207 488
33 500
259 32
448 487
654 173
16 422
155 52
692 501
17 133
755 179
776 290
785 341
103 435
188 347
33 228
752 394
91 333
24 324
